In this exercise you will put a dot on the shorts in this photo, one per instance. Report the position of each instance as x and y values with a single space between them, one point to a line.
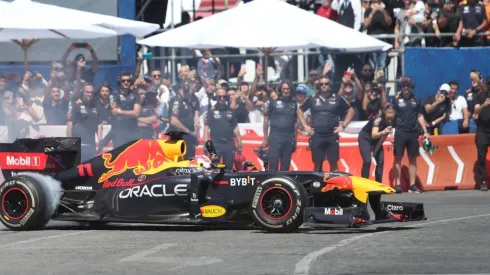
322 144
406 140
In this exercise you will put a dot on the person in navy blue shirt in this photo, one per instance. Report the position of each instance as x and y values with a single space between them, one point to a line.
326 110
408 122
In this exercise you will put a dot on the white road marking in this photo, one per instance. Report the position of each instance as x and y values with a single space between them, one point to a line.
304 265
430 175
45 238
459 173
345 165
181 262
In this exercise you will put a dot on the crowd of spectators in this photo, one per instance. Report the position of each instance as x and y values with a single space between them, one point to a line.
39 101
443 23
360 78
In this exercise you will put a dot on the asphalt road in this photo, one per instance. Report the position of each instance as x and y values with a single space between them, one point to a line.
454 240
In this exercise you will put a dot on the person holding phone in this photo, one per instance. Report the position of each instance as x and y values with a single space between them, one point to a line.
371 139
437 108
71 72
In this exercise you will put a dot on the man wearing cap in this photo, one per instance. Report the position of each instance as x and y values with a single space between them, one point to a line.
282 114
437 108
482 136
301 96
326 109
409 120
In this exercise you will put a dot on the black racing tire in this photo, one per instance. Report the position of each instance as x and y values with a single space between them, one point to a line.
278 204
23 204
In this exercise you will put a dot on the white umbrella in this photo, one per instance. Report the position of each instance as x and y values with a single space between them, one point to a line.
61 15
267 24
26 21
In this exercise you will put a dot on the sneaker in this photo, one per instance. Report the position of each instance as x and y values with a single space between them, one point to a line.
398 189
484 186
414 189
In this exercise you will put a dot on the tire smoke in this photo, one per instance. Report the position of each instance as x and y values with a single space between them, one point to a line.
52 190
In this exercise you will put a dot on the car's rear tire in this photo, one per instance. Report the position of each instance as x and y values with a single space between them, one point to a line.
278 204
23 204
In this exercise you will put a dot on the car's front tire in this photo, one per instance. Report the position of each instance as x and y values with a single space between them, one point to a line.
278 204
23 204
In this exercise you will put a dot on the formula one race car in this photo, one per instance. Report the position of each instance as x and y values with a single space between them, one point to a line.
148 181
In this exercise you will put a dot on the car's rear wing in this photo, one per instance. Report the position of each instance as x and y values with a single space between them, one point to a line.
44 155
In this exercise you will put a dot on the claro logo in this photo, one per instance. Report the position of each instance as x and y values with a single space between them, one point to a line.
391 207
212 211
23 161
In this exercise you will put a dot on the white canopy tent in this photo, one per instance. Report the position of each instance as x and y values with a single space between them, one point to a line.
267 25
26 21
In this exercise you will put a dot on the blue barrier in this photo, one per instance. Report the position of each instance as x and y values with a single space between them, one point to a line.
451 127
430 67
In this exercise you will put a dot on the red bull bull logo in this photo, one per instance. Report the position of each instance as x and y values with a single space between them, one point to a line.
143 157
340 183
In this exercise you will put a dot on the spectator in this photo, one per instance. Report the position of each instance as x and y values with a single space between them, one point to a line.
436 109
459 108
374 100
166 92
326 11
72 67
55 107
184 116
408 121
377 21
126 108
103 104
156 81
312 76
205 95
86 118
147 115
241 103
207 66
258 97
350 16
482 137
448 22
58 78
367 74
282 115
183 73
404 26
471 94
349 13
326 110
220 122
473 21
346 91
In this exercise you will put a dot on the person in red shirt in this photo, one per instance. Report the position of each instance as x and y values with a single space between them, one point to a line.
326 11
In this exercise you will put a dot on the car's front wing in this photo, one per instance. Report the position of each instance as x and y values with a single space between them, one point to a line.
356 216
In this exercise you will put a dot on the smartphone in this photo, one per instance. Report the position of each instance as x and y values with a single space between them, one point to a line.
148 55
